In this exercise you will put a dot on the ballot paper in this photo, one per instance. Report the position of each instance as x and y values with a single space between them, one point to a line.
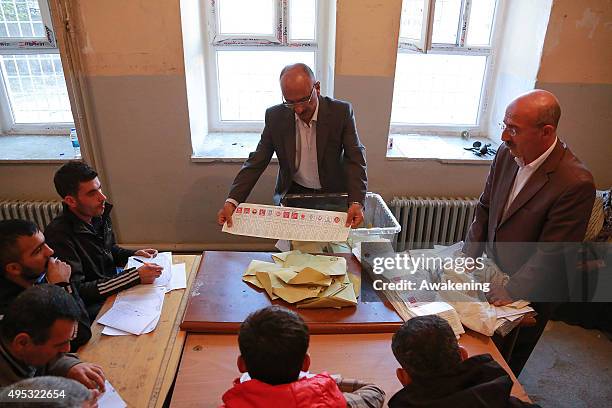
163 259
178 279
110 398
288 223
135 310
111 331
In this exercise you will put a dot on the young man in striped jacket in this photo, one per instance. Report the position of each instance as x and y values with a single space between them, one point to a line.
83 237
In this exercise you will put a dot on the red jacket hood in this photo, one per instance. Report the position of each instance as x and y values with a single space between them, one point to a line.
319 391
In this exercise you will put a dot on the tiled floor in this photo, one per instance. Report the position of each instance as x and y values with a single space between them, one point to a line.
570 367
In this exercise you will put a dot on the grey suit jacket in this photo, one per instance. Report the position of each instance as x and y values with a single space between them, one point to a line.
554 206
340 154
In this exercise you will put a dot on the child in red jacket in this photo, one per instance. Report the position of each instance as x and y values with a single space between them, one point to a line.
273 346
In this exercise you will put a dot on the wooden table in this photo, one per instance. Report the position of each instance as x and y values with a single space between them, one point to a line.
142 368
220 300
208 365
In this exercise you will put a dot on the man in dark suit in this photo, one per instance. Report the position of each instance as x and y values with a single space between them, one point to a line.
316 143
537 195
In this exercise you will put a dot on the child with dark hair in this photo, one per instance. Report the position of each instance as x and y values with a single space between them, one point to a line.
273 346
436 372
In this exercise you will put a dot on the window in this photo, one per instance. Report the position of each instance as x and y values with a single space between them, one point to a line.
249 42
33 94
443 65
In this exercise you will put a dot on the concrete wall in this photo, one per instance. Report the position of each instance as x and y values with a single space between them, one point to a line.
135 73
577 67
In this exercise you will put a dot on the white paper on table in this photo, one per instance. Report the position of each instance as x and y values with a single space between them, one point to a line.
163 259
110 398
289 223
128 318
283 245
111 331
178 279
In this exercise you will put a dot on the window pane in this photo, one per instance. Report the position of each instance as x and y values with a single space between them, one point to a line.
254 17
481 21
302 19
446 21
248 81
412 19
437 89
20 18
37 92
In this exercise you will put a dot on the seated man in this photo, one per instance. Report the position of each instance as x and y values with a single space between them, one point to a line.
25 260
83 237
58 392
436 371
35 336
273 351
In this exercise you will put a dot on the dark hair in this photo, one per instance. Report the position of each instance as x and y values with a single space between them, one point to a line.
273 342
35 310
426 347
305 68
70 175
10 230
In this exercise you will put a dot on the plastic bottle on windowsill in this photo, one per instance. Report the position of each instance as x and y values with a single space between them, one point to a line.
75 143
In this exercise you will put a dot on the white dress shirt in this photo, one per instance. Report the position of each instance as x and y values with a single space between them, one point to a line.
306 162
524 173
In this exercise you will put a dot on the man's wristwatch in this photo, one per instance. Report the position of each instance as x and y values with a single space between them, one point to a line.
356 202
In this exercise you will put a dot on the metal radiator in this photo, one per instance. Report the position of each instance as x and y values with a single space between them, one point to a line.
39 212
429 221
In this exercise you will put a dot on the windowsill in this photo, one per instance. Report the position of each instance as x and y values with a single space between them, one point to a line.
35 149
444 149
226 147
235 148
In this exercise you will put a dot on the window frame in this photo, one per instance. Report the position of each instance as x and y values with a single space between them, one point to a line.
278 42
29 46
460 48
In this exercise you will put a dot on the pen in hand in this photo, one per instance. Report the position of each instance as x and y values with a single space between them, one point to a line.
143 262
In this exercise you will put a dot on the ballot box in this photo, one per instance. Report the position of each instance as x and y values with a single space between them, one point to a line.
378 219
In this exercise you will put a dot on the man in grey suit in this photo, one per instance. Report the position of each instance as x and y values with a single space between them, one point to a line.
537 194
316 143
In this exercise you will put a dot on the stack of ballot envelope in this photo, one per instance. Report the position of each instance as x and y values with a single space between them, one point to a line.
309 281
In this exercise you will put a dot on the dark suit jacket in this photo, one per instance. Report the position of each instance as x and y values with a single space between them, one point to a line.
340 154
554 206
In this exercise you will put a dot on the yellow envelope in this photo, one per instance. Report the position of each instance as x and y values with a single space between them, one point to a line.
329 265
293 294
285 274
253 280
344 297
260 266
297 258
269 281
282 256
308 275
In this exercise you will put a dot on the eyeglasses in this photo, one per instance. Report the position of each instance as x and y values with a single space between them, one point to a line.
511 130
302 101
